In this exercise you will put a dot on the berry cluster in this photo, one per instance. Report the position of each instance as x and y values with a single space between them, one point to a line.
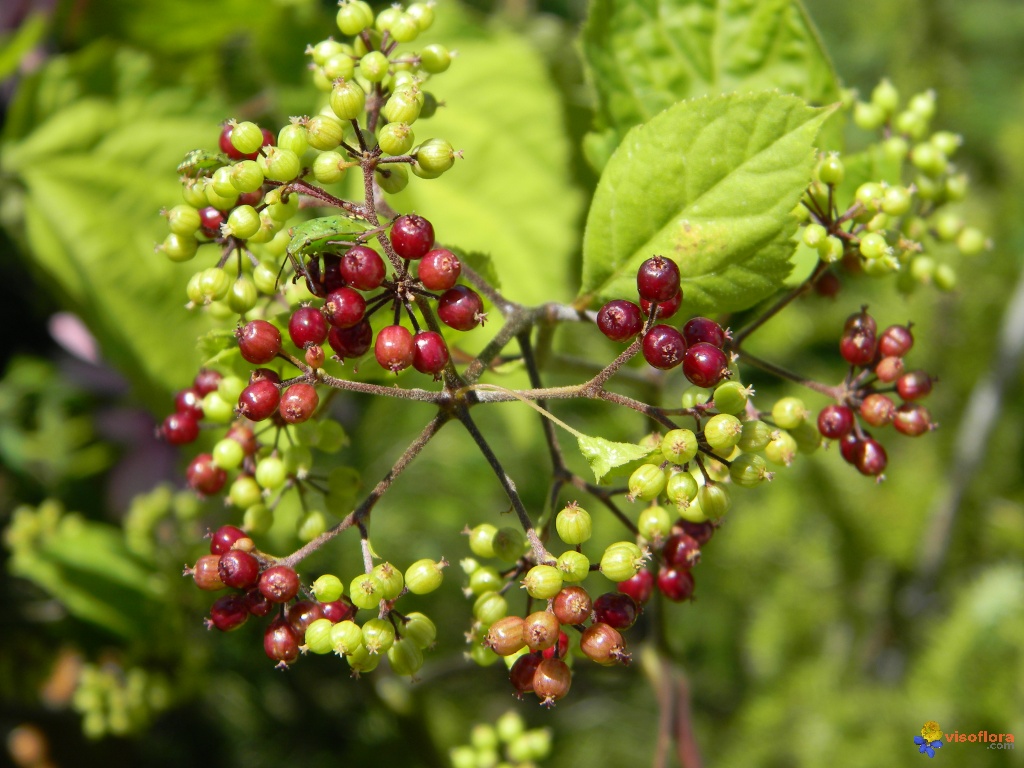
697 346
506 743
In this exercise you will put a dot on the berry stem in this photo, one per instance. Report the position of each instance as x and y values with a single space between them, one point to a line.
833 393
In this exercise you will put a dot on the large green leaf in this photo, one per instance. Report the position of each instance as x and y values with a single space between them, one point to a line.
645 55
710 183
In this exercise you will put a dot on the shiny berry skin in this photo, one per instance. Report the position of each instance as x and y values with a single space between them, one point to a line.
280 643
896 340
505 636
279 583
703 329
849 444
663 347
179 428
559 649
889 368
912 420
206 381
877 410
206 573
363 268
301 614
620 320
307 326
572 605
345 308
676 584
681 551
298 402
224 538
259 400
666 309
439 270
870 458
204 476
322 281
914 385
551 681
858 347
701 532
228 612
460 308
834 421
257 604
430 353
229 149
210 221
351 342
189 401
616 609
705 365
640 586
602 643
862 322
412 236
338 610
238 569
522 671
541 630
258 341
394 348
657 279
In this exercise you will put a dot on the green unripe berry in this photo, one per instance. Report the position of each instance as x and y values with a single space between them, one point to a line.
868 116
194 291
243 222
193 192
391 579
885 96
533 746
395 138
386 17
341 66
435 59
509 544
789 412
929 188
281 207
323 50
353 18
781 449
328 588
378 635
228 454
621 562
318 636
831 250
731 397
366 591
692 512
807 437
293 137
912 124
654 523
895 149
280 164
694 396
243 295
681 489
374 66
430 105
320 79
679 445
882 266
179 248
403 107
324 132
646 482
956 187
246 176
392 178
464 756
183 220
971 241
489 607
543 582
244 492
481 540
346 637
405 657
947 142
574 566
748 470
419 628
869 195
329 167
311 525
722 432
948 225
404 28
485 579
423 13
944 277
923 103
361 661
896 201
831 170
755 436
257 519
298 459
222 202
714 500
347 99
573 524
873 246
230 387
424 576
246 137
220 182
928 159
510 726
217 409
814 235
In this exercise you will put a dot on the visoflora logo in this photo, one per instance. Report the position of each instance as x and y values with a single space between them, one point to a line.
930 739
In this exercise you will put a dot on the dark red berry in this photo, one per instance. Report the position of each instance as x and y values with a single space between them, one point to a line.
298 402
602 643
259 400
620 320
345 308
265 374
666 309
870 458
280 643
279 583
256 603
700 329
204 476
896 340
572 605
701 532
676 584
363 268
640 586
827 285
914 385
412 236
339 610
858 347
239 569
206 573
912 420
307 326
877 410
224 538
206 381
657 279
430 353
616 609
210 220
522 671
551 681
834 421
681 551
439 270
253 198
559 649
228 612
323 280
301 614
179 428
888 369
229 149
351 342
861 321
849 444
259 341
705 364
663 347
461 308
189 401
394 348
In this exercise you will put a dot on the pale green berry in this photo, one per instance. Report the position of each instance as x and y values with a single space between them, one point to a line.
257 519
748 470
868 116
228 453
789 412
509 544
194 291
374 66
246 176
896 149
402 107
679 445
754 436
392 178
654 523
395 138
869 195
405 657
896 201
543 582
318 636
271 474
328 588
347 99
781 449
944 277
885 96
731 397
230 387
481 540
323 50
280 164
814 235
183 220
243 222
694 396
692 512
378 635
434 156
831 250
646 482
971 241
485 579
573 524
948 225
469 565
531 747
425 575
873 246
346 636
297 460
404 28
324 132
281 207
489 607
179 248
574 566
244 492
220 182
435 59
366 591
353 18
311 525
509 726
681 489
391 579
193 192
423 13
722 432
361 661
714 500
219 201
621 561
293 137
243 295
807 437
217 409
420 629
831 170
246 137
956 187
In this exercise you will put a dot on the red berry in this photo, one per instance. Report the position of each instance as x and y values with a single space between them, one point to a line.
551 681
224 539
189 401
896 340
522 672
834 421
228 612
616 609
572 605
279 583
559 649
657 279
394 348
461 308
229 149
179 428
253 198
245 437
307 326
640 586
345 308
412 236
210 220
351 342
620 320
206 381
676 584
849 444
298 402
439 270
264 374
206 573
681 551
314 356
827 285
256 603
700 329
259 400
238 569
603 643
914 385
322 281
363 268
858 347
339 610
888 369
701 532
861 321
663 347
280 643
705 365
301 614
541 630
870 458
912 420
877 410
204 476
666 309
430 353
259 341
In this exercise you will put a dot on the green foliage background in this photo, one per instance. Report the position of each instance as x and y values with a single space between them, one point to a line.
816 635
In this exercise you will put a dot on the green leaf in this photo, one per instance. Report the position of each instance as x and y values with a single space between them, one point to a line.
604 455
709 183
645 55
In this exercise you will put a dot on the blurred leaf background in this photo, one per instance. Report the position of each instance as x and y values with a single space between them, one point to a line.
834 616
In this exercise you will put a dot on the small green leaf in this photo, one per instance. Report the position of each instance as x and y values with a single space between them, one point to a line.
604 455
709 183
